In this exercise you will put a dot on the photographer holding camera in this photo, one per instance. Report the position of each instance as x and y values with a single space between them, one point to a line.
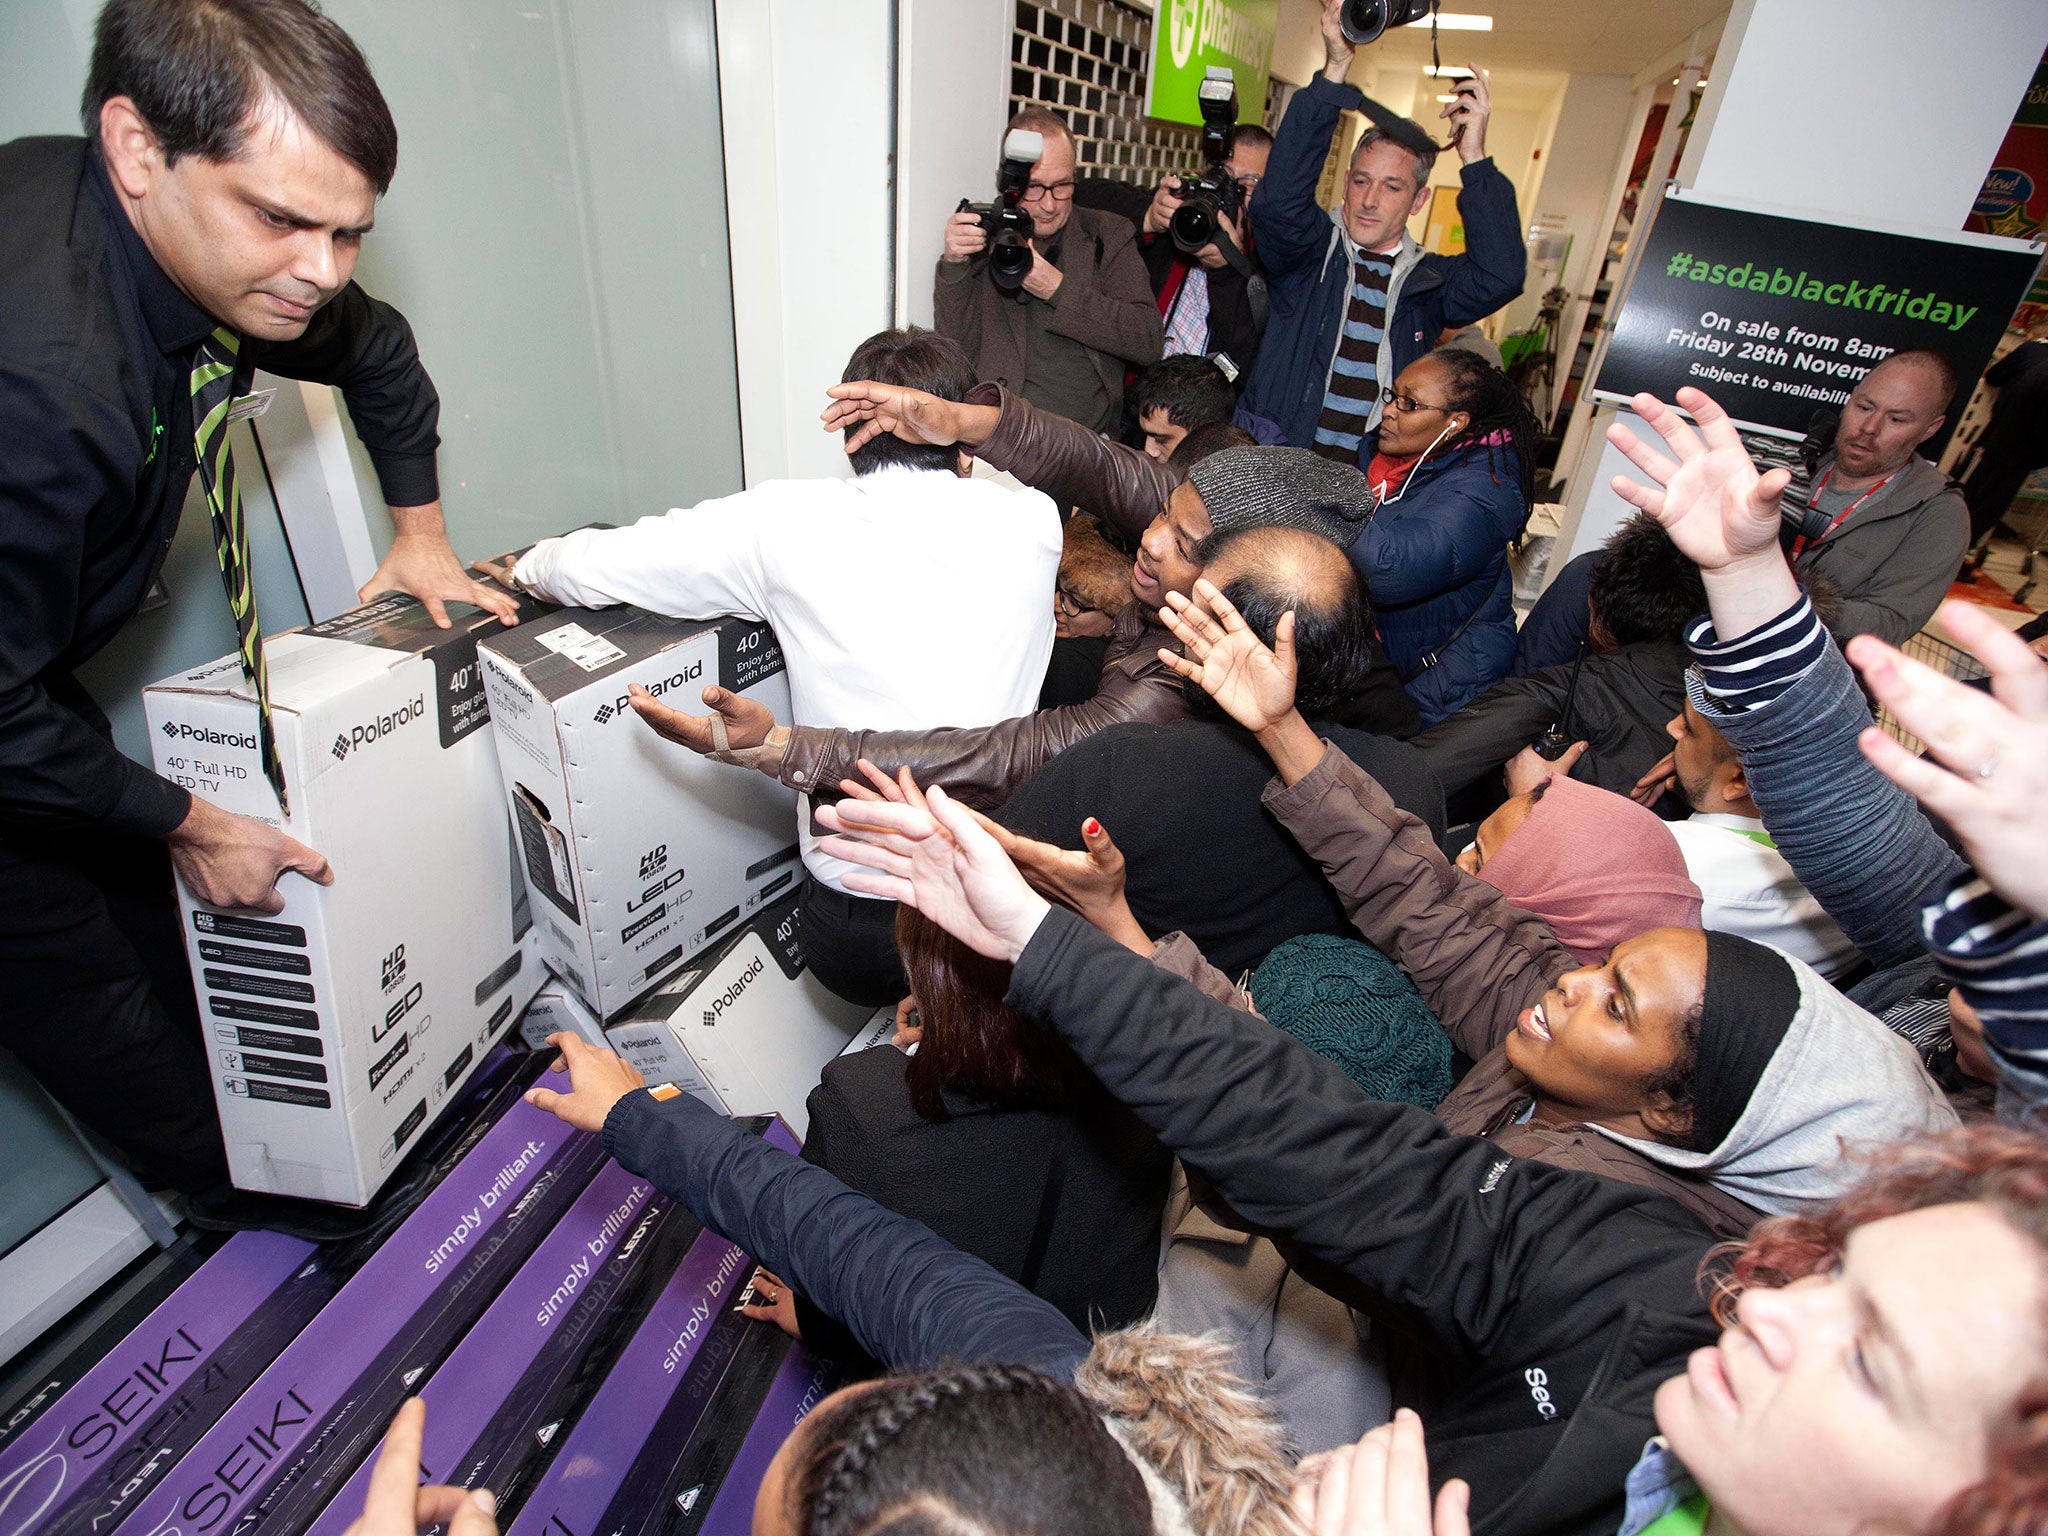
1060 328
1354 299
1197 242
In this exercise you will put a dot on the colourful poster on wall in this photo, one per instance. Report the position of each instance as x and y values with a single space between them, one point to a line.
2014 198
1189 37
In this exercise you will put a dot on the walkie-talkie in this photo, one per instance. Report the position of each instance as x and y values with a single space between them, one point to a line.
1556 741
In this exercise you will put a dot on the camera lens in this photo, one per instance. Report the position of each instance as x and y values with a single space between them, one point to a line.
1009 260
1363 20
1194 224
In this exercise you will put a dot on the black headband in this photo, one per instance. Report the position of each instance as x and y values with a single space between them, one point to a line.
1751 997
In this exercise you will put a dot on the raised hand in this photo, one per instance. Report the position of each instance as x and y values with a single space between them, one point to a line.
1718 510
1994 746
1254 685
1090 882
938 859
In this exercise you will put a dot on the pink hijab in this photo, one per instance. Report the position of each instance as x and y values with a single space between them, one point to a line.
1595 866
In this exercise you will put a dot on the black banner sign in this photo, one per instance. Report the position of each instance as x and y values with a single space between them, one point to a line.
1778 317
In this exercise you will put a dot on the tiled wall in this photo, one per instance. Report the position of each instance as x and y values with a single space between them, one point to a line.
1088 59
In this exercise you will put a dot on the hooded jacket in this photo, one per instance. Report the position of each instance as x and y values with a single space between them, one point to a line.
1547 1306
1894 560
1479 961
1308 259
1839 1081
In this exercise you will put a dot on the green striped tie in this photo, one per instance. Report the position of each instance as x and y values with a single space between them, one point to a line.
213 388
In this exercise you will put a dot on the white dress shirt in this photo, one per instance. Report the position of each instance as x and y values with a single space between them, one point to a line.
905 599
1748 888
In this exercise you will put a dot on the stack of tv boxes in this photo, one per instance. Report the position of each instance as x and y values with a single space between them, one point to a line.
493 810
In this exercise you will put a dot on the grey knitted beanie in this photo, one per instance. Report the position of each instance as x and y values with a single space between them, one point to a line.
1283 488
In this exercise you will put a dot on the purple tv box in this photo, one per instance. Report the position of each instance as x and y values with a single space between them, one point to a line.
623 1452
190 1358
726 1507
108 1423
575 1273
380 1334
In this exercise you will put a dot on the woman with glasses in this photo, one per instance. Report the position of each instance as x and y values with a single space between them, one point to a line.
1452 474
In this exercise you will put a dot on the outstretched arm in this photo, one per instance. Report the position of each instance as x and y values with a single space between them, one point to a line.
1443 1227
910 1298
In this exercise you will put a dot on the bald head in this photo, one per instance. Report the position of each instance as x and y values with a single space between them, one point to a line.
1894 408
1266 572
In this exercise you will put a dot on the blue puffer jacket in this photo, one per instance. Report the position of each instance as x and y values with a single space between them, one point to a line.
1308 260
1436 556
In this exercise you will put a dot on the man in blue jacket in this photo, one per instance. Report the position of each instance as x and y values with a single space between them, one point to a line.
1354 299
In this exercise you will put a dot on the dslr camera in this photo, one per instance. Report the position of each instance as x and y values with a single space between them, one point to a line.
1004 221
1216 191
1364 20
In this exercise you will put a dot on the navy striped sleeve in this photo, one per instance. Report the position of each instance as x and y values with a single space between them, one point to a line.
1989 949
1756 668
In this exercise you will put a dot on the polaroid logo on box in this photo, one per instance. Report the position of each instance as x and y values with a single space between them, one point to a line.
607 712
359 736
731 994
178 730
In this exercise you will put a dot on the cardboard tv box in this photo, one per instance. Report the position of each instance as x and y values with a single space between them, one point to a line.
338 1028
639 853
747 1029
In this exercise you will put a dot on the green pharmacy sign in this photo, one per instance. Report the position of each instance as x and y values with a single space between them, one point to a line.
1189 37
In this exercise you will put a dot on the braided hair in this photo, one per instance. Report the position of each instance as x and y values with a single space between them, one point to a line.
965 1450
1490 398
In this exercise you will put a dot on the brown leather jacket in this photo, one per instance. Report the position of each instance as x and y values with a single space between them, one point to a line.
983 765
1075 467
1477 961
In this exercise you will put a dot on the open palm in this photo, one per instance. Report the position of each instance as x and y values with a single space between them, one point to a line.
1251 682
936 857
1718 510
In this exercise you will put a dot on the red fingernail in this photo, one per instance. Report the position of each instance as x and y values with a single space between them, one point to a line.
1092 827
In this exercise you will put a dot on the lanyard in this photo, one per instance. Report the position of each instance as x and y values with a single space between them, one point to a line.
1799 544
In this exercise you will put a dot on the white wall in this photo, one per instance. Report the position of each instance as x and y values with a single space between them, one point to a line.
952 94
1888 111
807 101
1590 144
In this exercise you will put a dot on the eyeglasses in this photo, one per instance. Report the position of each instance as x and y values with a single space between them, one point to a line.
1066 604
1057 192
1406 404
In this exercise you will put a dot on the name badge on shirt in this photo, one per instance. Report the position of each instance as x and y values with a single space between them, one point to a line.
248 407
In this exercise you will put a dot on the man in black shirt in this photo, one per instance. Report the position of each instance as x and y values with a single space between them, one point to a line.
236 151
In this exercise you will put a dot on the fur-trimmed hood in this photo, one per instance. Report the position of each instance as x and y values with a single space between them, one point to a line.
1215 1462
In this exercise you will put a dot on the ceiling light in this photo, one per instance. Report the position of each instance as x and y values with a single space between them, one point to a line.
1447 98
1448 69
1458 21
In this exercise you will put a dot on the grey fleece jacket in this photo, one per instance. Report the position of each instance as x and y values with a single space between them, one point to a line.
1894 559
1838 1081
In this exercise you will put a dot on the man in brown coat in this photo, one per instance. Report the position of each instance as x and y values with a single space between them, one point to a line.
1085 309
